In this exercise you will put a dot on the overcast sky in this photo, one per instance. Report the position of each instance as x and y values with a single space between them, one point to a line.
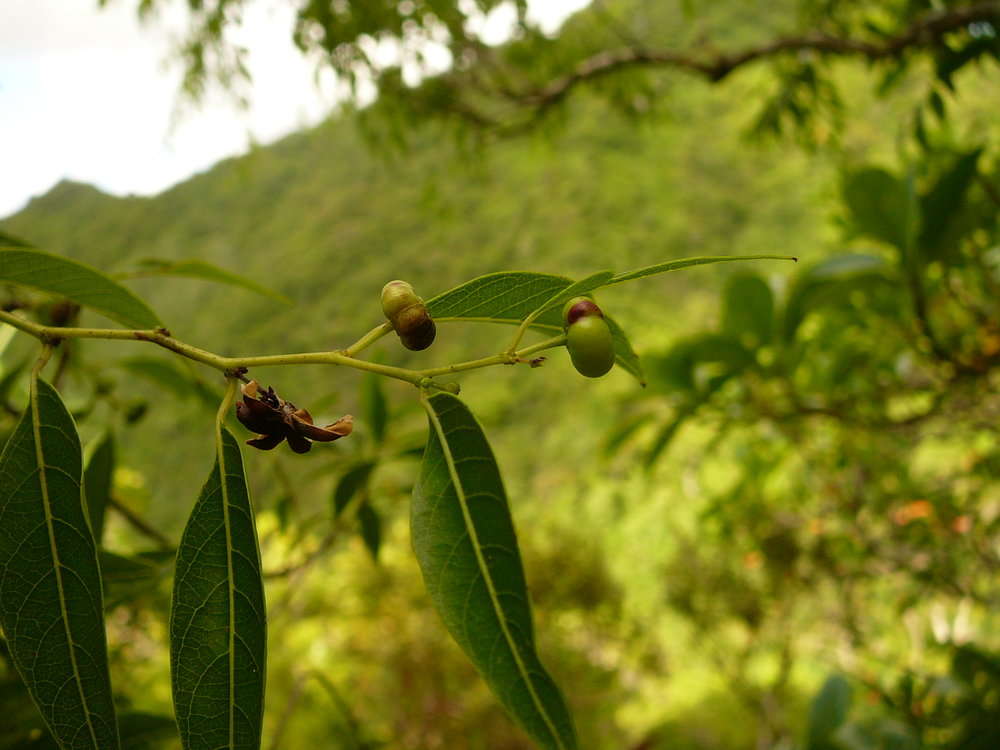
86 94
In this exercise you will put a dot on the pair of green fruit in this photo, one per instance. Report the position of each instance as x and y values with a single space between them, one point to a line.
588 337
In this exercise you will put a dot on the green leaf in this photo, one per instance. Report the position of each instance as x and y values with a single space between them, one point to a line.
80 283
828 712
50 582
375 406
10 240
576 289
510 297
351 483
748 309
940 208
465 543
198 269
371 529
97 481
217 617
171 376
881 207
676 265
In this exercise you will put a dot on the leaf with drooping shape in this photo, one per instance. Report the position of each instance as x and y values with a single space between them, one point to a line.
375 405
576 289
511 296
676 265
217 618
940 207
97 482
353 481
193 268
50 582
371 528
465 543
80 283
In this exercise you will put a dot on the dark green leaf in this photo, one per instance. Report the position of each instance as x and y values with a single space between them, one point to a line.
351 483
828 712
880 207
940 208
50 582
97 482
576 289
10 240
371 529
217 618
78 282
375 406
511 296
199 269
748 309
464 540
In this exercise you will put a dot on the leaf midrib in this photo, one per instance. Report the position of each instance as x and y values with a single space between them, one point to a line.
36 428
484 571
230 584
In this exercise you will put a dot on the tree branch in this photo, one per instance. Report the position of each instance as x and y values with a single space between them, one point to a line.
927 31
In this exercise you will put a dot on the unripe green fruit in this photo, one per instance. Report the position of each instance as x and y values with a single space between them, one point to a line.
591 346
580 307
396 297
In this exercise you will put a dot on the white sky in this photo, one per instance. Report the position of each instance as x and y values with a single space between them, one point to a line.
87 94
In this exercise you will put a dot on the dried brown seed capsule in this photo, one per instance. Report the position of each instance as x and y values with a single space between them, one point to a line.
420 337
408 316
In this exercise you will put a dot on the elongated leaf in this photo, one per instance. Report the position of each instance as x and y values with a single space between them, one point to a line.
511 296
465 543
940 208
676 265
576 289
217 618
97 480
370 526
351 483
194 268
80 283
50 582
376 407
828 712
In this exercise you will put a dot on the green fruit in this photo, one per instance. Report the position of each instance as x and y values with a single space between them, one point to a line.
591 346
580 307
396 297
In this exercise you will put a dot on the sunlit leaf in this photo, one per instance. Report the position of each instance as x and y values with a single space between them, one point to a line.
50 582
97 481
76 281
464 540
217 618
511 296
194 268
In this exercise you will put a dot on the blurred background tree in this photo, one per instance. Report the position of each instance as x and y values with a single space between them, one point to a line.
791 537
